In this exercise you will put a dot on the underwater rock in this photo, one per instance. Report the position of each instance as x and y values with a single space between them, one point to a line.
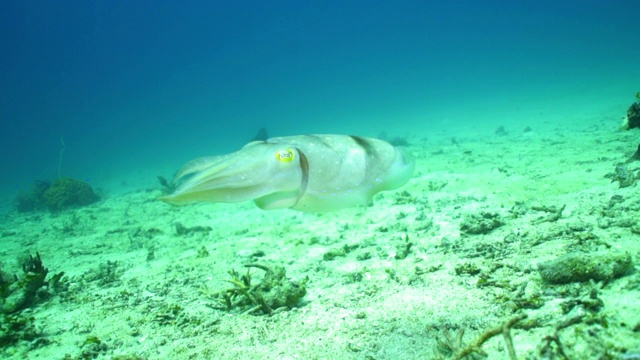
15 300
277 290
25 202
580 267
32 200
183 230
632 120
68 192
481 223
623 176
635 156
501 131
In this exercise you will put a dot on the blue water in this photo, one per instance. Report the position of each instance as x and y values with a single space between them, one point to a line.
147 85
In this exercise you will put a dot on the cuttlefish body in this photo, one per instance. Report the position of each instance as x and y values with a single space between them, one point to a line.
310 173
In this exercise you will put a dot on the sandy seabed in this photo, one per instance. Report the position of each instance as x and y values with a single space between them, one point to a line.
396 280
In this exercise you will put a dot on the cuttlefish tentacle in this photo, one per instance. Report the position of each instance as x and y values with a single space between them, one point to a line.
310 173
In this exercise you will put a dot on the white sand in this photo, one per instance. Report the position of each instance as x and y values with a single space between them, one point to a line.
356 307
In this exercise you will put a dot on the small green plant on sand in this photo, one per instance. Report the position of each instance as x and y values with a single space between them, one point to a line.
20 292
166 186
273 292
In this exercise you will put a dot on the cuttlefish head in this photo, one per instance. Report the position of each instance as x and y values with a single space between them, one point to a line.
274 175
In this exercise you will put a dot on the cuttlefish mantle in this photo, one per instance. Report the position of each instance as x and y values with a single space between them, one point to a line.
309 173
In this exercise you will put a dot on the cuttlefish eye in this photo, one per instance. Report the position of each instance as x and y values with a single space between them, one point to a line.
285 155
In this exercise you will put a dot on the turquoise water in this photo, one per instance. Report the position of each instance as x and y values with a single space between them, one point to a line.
511 110
150 85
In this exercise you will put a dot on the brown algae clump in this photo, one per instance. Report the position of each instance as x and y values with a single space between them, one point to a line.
580 267
68 192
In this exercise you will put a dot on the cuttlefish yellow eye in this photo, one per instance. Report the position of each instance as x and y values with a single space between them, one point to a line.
285 155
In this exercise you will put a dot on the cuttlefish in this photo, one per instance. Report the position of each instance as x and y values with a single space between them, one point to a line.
309 173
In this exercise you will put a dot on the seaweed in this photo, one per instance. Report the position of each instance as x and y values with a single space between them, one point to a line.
275 291
17 327
339 252
404 197
35 274
106 274
395 141
399 141
18 293
203 253
166 187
